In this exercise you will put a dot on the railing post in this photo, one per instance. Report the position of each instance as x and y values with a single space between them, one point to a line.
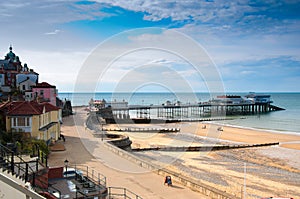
38 151
37 164
26 172
46 161
42 157
33 179
33 151
87 171
12 163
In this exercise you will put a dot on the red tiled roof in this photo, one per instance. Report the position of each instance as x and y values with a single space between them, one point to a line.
49 107
26 108
43 85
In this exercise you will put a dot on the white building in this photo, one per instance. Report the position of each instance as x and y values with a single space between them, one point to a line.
26 85
259 98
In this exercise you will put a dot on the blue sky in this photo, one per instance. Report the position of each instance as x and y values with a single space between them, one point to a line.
254 44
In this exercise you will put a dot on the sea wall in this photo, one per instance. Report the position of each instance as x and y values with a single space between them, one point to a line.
186 181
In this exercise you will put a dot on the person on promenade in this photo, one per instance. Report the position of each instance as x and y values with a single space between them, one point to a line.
63 137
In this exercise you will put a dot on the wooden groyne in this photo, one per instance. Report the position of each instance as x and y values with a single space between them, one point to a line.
203 148
146 130
115 120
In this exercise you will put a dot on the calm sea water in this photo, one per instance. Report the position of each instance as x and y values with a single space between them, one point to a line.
283 121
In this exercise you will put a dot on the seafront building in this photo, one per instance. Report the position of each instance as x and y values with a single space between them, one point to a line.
46 92
12 73
28 106
37 120
31 115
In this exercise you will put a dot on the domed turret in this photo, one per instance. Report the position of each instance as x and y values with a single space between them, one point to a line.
17 59
10 55
26 67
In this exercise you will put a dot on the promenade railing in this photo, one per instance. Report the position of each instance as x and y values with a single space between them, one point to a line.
120 192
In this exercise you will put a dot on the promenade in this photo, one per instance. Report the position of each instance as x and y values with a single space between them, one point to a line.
84 149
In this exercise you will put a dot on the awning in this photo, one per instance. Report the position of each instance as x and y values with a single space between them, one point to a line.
48 126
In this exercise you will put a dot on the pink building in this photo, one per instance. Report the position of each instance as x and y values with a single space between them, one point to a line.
45 92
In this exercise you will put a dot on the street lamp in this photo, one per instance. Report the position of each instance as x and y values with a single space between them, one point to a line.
66 165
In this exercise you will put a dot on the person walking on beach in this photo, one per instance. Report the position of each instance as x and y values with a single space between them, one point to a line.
168 180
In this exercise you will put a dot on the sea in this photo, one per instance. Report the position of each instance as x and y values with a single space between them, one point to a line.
286 121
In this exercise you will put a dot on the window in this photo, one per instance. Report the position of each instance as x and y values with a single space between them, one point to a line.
42 92
20 121
24 87
14 121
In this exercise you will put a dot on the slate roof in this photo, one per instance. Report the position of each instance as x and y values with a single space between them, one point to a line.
7 65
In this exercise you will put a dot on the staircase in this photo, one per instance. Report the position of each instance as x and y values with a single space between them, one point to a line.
34 170
15 187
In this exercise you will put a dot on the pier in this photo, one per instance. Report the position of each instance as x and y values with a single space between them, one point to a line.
218 107
173 112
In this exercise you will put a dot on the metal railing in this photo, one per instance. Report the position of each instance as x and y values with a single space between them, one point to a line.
23 169
89 183
97 178
120 192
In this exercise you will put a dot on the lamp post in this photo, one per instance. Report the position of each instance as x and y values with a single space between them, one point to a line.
66 165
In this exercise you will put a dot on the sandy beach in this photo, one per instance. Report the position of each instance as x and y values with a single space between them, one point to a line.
269 171
256 172
250 136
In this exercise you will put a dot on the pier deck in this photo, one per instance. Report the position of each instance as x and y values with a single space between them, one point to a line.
200 110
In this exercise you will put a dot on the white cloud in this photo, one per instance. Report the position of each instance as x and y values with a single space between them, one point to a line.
248 72
53 32
163 58
231 32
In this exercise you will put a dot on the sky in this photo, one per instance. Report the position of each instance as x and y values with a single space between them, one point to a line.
155 45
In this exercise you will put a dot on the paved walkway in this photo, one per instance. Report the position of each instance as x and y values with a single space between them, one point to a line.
83 148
